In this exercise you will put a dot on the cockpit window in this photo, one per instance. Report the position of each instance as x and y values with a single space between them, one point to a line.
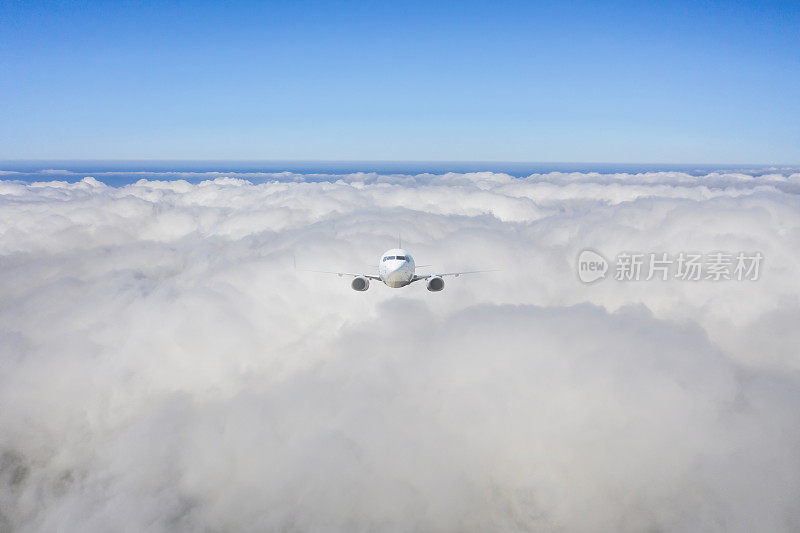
401 258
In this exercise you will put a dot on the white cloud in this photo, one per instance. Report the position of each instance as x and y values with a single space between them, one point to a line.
163 367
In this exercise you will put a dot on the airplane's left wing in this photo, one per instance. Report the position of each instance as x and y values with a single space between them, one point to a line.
454 274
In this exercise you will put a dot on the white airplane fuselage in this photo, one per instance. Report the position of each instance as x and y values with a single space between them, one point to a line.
396 268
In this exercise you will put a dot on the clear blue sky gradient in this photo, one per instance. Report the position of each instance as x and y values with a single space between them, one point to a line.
672 82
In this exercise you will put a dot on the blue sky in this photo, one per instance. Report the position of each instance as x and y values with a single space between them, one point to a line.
682 82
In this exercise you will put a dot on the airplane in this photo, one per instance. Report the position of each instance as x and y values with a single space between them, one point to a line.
397 269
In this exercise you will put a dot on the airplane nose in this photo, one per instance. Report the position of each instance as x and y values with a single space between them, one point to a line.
396 277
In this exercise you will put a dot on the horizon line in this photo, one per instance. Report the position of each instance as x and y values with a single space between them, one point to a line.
384 161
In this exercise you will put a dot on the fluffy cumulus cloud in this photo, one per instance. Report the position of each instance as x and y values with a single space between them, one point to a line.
164 368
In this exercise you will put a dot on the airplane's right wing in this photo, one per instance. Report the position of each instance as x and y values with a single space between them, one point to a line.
340 274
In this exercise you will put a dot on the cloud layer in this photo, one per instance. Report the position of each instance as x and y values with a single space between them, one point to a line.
164 368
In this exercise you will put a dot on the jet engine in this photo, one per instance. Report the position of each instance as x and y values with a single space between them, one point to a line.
435 284
360 283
